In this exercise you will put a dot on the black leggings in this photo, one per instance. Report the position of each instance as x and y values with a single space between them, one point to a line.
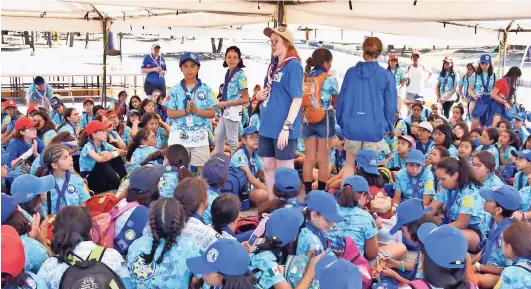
447 107
106 176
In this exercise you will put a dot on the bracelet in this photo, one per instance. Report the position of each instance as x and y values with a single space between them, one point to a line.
524 216
402 266
478 267
394 206
115 154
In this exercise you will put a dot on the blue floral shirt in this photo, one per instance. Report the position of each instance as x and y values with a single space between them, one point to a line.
424 183
494 151
396 161
35 254
514 277
140 154
76 193
468 202
479 83
525 194
86 163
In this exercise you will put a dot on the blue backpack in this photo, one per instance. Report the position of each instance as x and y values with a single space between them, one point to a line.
507 172
238 185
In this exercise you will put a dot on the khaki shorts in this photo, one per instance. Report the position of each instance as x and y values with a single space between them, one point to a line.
199 155
354 146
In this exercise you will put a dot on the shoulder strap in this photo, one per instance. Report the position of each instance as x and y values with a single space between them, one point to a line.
96 254
418 284
124 209
49 201
527 269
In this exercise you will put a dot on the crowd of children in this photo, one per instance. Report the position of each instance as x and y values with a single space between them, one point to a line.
170 191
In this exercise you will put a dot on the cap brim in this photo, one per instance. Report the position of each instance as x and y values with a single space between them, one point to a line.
424 231
198 266
399 225
333 217
371 170
487 194
268 31
517 154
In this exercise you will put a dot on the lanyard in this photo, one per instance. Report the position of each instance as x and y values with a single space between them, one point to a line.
102 147
521 181
435 179
61 193
415 187
157 61
251 161
493 239
485 87
318 234
228 77
450 201
190 95
466 90
73 128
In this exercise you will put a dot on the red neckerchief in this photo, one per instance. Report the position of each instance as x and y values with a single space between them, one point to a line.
274 69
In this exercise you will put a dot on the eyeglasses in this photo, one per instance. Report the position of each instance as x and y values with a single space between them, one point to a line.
273 43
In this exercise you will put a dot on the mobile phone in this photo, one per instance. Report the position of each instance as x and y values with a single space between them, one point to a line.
318 251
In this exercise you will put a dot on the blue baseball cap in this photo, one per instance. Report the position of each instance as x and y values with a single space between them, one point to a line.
506 196
216 168
357 183
132 111
334 273
521 116
525 154
27 186
418 97
189 56
249 130
56 103
287 180
145 178
225 256
366 159
445 245
9 205
284 224
485 58
324 204
339 132
409 211
415 156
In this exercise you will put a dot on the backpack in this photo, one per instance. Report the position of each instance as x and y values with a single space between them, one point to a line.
90 273
312 111
237 184
100 204
408 127
246 224
352 254
421 284
507 172
295 269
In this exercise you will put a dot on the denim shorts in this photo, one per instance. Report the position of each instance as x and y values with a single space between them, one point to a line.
324 130
498 109
267 148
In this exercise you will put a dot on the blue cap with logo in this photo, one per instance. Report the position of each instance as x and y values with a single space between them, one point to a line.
445 245
224 256
409 211
216 168
287 180
145 178
416 157
485 58
284 224
339 132
27 186
357 183
334 273
366 160
324 204
525 154
249 130
506 196
189 56
521 116
9 205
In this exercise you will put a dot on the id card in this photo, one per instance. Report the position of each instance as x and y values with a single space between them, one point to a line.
189 121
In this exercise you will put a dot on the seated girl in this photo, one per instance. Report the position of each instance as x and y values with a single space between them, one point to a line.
466 149
461 132
25 146
416 114
398 160
523 165
437 154
176 162
487 142
508 143
45 127
443 136
484 171
225 212
414 181
142 146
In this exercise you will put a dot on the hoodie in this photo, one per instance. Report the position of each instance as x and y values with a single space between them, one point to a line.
367 102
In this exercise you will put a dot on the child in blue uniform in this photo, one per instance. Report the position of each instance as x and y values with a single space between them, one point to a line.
45 127
424 141
519 126
176 162
225 210
25 146
516 247
483 164
508 143
523 164
488 141
225 264
29 190
414 181
466 149
88 115
215 174
443 136
398 160
58 110
153 122
321 213
437 154
143 145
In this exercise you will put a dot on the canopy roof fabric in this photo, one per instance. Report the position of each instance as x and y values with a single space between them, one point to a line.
481 22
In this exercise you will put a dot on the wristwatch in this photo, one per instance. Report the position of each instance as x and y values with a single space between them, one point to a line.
288 126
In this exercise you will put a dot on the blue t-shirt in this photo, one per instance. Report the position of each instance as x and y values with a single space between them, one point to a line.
447 82
255 120
525 194
35 94
126 137
34 282
57 118
480 85
514 277
396 161
85 119
423 182
140 154
329 88
464 82
452 150
307 241
212 194
287 85
76 193
269 274
47 136
167 183
239 159
10 121
520 180
35 254
235 86
172 272
358 225
468 202
400 124
506 155
398 75
86 163
150 62
68 127
16 147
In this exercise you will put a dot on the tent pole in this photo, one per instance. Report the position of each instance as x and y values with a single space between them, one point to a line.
104 82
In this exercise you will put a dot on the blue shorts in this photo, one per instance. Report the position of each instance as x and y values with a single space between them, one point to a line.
267 148
498 109
324 130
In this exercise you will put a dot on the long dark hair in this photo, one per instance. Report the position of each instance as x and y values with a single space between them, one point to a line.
451 166
146 118
131 102
513 77
48 123
190 192
450 71
166 220
66 114
51 154
225 210
443 277
178 157
348 197
373 180
318 58
142 134
18 221
479 71
245 281
448 135
466 131
238 51
514 140
143 104
413 227
72 226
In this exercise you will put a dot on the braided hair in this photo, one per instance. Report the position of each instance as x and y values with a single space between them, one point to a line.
166 220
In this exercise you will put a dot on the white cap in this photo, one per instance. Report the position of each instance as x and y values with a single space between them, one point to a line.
155 45
426 125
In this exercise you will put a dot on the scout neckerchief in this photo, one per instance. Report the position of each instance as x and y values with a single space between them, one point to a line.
493 239
521 181
198 217
466 90
190 95
229 75
422 148
318 234
157 62
274 69
251 160
43 100
415 188
61 196
486 148
451 198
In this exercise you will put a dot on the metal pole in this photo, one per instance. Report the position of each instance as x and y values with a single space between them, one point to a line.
121 37
104 82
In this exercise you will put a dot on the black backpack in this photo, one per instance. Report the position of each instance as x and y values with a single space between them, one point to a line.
90 273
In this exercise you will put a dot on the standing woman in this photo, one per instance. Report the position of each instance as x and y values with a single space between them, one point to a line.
317 135
282 96
235 94
155 68
462 89
398 74
446 86
504 93
481 82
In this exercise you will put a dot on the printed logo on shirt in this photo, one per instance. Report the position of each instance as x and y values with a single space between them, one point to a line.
162 183
148 65
31 283
468 202
130 235
184 135
141 270
429 185
71 189
212 255
275 271
277 77
244 81
201 96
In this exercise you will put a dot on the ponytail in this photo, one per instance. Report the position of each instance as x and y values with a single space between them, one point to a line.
309 65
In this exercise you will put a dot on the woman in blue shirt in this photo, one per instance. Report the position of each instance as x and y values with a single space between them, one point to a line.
45 127
235 94
282 99
446 86
443 136
481 83
155 68
463 204
317 135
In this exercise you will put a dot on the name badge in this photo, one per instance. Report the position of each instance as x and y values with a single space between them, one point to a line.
189 121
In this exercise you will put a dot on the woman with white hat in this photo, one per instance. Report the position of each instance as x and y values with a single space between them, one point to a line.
154 67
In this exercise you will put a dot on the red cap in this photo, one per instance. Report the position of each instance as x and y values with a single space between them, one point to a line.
13 258
95 126
10 103
448 59
416 52
393 57
108 113
88 99
31 109
24 122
